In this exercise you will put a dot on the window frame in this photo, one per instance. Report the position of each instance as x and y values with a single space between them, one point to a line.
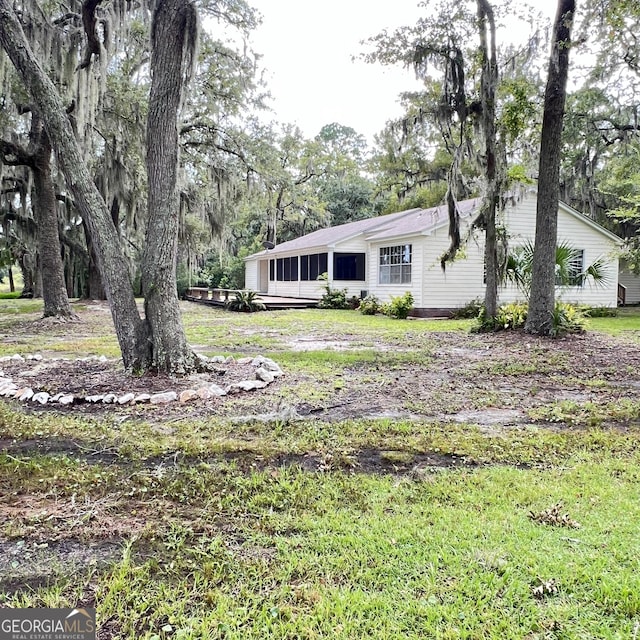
358 268
395 264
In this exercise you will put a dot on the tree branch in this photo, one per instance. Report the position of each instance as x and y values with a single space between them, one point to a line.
14 155
89 23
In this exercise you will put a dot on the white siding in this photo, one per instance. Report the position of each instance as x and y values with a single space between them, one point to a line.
632 284
461 281
580 235
384 292
354 245
251 275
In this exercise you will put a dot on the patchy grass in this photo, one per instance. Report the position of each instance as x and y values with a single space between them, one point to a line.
627 322
237 520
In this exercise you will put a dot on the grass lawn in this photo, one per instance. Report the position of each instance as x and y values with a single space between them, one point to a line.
431 483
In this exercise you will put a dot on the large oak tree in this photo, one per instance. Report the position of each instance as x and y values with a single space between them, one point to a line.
543 277
157 341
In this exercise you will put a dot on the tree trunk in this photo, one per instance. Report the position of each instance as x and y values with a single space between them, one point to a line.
542 294
25 261
94 290
494 184
54 292
130 329
174 22
12 284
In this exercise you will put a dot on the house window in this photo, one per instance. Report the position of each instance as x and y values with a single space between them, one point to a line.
395 265
313 265
348 266
287 269
272 270
575 269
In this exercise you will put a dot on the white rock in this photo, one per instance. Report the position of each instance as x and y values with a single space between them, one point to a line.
66 399
246 385
268 364
245 360
96 398
102 359
163 398
17 357
57 397
37 356
217 359
42 397
110 398
126 398
142 397
264 375
229 359
9 390
216 390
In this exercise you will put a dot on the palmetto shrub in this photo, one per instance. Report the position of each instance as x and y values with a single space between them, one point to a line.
245 301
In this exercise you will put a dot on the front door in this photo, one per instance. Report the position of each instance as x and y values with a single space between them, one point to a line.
263 275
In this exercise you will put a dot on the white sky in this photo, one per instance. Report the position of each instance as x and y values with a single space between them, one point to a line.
307 49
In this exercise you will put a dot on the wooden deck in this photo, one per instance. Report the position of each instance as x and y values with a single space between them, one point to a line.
220 297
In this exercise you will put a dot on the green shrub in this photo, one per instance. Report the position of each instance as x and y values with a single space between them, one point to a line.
332 298
567 318
508 316
226 275
399 307
472 309
512 315
369 306
245 301
599 312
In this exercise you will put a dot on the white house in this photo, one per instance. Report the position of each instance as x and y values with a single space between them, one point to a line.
399 252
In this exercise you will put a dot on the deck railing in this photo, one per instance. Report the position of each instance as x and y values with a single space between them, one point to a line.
215 295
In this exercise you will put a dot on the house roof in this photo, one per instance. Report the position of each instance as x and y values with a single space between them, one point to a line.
402 223
329 236
422 221
398 225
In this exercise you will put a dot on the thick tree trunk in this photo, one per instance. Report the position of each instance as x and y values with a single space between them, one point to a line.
542 294
54 292
174 22
12 284
130 329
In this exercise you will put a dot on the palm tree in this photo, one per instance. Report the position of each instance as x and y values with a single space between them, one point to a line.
519 268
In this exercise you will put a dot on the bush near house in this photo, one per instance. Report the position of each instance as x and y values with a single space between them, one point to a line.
399 307
369 306
567 318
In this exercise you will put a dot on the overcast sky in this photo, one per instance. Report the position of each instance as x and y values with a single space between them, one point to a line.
307 49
